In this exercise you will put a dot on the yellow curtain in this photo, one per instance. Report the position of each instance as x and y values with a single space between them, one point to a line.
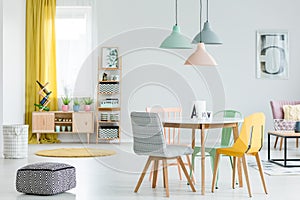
40 59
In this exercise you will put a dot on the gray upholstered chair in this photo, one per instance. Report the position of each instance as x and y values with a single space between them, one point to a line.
172 135
148 139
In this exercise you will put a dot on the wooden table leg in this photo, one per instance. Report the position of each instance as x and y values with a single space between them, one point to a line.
202 161
239 166
193 138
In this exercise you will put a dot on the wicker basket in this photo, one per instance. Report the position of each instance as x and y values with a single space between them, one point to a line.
15 141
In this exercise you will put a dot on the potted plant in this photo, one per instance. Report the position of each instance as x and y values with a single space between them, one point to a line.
66 100
76 105
87 103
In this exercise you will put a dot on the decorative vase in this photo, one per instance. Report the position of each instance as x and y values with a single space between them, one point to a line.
65 108
87 107
76 108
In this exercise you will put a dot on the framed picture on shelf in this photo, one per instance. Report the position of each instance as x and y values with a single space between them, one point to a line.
110 57
272 55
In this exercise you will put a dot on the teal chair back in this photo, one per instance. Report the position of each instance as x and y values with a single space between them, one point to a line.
226 138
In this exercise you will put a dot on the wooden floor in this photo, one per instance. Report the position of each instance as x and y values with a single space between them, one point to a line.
115 177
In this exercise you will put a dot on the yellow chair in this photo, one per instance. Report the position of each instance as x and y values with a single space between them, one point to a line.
249 142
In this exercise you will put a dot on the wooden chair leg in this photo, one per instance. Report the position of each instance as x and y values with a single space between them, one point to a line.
165 166
275 143
233 172
151 172
190 168
212 162
297 143
246 174
186 174
231 163
179 171
281 142
188 161
215 172
261 172
239 170
164 181
154 180
143 174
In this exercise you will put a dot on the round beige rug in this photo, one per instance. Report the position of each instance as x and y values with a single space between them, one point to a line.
75 152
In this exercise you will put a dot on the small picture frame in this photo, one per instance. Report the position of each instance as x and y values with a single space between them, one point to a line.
110 57
272 55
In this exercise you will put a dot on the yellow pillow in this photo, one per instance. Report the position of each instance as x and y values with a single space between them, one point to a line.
291 112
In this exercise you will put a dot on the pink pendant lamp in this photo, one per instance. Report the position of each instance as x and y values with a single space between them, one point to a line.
200 57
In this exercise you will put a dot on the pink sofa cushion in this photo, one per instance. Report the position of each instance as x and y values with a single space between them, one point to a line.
277 110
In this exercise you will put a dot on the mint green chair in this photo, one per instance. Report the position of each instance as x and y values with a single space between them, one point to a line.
226 140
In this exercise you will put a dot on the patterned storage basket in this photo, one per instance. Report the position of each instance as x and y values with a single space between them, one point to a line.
284 125
109 132
109 88
15 141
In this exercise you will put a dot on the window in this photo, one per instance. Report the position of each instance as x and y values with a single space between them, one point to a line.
73 42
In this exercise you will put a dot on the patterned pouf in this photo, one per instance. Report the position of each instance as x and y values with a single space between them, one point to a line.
45 178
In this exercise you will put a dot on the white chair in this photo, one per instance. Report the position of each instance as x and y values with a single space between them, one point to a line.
148 139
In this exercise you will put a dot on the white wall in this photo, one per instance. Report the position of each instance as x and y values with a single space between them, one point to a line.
14 61
1 74
235 21
237 55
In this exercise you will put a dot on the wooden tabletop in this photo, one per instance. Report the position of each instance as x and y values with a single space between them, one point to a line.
284 133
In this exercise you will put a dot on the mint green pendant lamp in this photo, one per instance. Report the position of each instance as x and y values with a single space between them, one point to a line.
208 36
176 40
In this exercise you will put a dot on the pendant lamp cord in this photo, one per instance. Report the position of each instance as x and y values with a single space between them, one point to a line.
200 20
207 11
176 12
